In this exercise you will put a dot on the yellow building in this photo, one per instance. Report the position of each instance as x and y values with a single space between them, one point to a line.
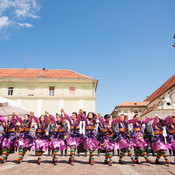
43 89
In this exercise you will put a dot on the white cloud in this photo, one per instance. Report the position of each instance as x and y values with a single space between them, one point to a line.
15 13
4 22
26 8
25 25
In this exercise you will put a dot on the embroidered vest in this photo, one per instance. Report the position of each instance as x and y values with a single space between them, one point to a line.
74 126
137 127
42 128
10 127
157 131
90 125
107 128
171 129
25 126
122 127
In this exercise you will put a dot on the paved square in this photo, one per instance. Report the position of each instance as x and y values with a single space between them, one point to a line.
81 166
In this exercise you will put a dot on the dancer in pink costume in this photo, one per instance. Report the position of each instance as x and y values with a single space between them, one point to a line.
107 142
9 136
123 142
91 142
158 141
73 138
170 122
25 139
138 141
57 140
42 140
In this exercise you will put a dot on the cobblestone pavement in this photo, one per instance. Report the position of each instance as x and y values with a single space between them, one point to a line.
81 166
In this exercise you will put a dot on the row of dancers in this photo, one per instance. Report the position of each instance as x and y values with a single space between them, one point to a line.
105 140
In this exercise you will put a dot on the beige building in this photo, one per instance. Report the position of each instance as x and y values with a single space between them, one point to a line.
161 103
130 109
41 89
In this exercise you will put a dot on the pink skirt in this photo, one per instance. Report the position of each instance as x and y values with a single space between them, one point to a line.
159 146
7 143
108 145
91 143
139 142
123 144
23 143
57 144
1 140
41 145
172 145
73 142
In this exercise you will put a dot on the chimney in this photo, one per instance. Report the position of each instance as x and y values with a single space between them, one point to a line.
42 70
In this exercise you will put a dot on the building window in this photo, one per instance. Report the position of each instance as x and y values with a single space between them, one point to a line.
10 90
168 103
51 91
72 91
31 91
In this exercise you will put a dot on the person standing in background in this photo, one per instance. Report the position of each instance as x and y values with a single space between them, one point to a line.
51 131
1 135
148 134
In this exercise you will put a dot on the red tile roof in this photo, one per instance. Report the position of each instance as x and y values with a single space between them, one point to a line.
40 73
133 104
149 109
165 87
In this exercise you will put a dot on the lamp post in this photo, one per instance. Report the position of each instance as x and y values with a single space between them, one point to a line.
174 43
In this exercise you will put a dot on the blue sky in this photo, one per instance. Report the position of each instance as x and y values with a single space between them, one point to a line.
126 44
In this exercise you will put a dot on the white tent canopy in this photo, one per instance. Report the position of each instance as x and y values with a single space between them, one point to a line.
7 107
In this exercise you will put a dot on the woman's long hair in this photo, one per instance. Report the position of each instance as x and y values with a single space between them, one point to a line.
160 125
125 118
26 121
139 122
93 115
40 118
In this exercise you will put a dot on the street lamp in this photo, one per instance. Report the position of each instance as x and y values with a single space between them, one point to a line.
174 43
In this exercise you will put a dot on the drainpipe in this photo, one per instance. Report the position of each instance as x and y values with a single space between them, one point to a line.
93 93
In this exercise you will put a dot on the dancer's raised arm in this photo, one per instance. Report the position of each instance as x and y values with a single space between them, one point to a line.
66 115
13 118
52 118
2 119
81 114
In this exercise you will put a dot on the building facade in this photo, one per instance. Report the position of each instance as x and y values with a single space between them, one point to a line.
129 109
161 103
41 89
